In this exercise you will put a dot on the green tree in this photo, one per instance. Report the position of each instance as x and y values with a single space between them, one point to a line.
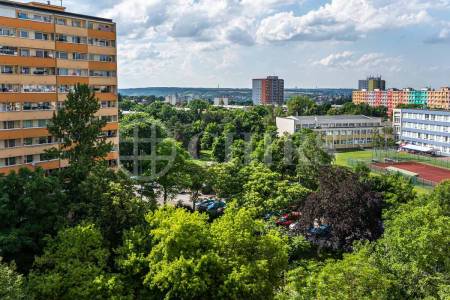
211 131
12 284
198 106
182 265
353 278
80 132
32 206
267 192
74 266
219 149
300 106
396 190
197 176
414 248
140 133
226 180
312 157
112 204
170 168
255 256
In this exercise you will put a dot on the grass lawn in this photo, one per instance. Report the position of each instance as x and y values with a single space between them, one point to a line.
341 158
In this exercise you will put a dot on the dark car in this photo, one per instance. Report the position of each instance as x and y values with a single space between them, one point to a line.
203 205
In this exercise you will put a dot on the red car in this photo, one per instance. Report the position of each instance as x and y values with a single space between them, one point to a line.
289 218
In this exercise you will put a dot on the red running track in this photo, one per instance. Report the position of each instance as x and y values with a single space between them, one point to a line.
426 172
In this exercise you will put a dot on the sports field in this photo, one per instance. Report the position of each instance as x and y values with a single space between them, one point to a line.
433 174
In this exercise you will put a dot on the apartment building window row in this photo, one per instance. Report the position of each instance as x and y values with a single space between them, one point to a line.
72 72
18 124
108 104
65 21
110 119
42 123
27 159
97 73
34 17
428 117
97 88
351 132
37 88
27 142
42 53
426 136
428 127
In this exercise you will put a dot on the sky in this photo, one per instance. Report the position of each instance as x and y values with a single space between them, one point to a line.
308 43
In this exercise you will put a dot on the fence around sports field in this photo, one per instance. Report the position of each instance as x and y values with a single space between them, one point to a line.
416 180
381 155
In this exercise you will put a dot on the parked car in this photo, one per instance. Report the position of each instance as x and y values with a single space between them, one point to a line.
321 230
289 218
202 206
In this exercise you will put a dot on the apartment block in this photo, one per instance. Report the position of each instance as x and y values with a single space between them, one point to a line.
268 91
423 128
372 83
44 52
439 99
338 132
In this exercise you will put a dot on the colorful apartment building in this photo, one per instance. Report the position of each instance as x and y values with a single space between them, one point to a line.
44 52
439 99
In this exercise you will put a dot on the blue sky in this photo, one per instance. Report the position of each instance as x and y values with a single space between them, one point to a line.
309 43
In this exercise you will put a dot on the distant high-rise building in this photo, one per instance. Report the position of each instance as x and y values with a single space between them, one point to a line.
372 84
268 91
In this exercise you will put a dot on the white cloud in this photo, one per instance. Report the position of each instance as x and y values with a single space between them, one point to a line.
368 61
344 20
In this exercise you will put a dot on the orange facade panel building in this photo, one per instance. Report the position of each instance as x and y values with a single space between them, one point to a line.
44 52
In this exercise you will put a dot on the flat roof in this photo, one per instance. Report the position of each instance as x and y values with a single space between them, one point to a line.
51 11
336 118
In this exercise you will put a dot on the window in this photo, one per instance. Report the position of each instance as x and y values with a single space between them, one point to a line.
61 21
78 39
25 70
24 52
10 161
10 124
7 31
62 55
22 15
28 159
37 106
76 23
9 88
61 38
11 143
7 69
28 141
5 50
41 36
63 71
44 54
24 34
28 124
9 106
79 56
42 123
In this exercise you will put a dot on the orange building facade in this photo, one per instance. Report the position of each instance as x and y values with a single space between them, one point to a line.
44 52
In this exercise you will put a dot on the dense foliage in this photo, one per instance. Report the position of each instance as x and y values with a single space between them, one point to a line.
114 234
